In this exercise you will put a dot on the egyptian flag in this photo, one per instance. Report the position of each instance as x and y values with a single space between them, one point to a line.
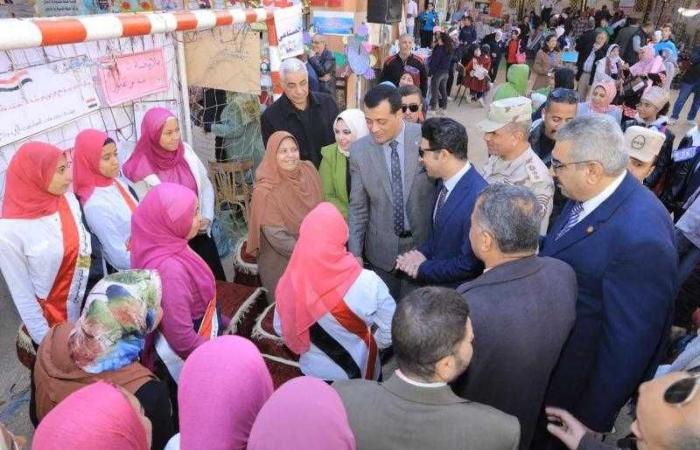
15 81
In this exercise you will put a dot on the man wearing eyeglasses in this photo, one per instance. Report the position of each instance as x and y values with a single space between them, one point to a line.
446 258
511 159
618 238
668 417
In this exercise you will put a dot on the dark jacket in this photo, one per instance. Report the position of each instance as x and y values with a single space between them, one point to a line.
660 176
625 261
584 47
520 329
324 64
311 134
450 260
692 75
394 68
313 78
467 35
684 178
439 61
631 56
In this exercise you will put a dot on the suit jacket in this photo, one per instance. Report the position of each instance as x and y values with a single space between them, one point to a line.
450 260
626 265
396 415
520 329
370 216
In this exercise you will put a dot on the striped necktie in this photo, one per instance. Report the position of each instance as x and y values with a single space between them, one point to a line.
574 215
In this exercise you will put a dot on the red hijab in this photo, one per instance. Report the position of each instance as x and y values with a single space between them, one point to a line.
318 275
87 154
149 158
27 181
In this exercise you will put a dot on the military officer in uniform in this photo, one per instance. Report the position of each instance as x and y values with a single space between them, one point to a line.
511 159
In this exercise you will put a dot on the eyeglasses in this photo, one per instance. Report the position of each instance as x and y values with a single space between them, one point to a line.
413 107
683 391
563 95
556 164
421 151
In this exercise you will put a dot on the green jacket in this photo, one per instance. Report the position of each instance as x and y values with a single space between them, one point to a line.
333 172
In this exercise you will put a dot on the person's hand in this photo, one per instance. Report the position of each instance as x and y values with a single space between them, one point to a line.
570 431
326 77
409 262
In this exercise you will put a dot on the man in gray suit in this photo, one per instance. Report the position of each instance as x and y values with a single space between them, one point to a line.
523 307
415 409
391 196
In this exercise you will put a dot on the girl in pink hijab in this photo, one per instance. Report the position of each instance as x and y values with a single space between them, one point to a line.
99 416
603 93
161 156
161 226
107 202
223 386
303 414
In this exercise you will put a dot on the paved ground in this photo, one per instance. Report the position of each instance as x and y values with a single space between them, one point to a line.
14 378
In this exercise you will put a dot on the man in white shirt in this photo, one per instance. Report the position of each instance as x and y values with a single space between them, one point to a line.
411 14
618 238
415 409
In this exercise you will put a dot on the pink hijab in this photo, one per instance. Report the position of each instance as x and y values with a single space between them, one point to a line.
610 89
648 62
303 414
222 387
27 180
150 158
159 229
97 416
87 154
318 275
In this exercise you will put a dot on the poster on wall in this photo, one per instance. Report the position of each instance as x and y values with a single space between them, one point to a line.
225 59
290 37
16 8
41 97
129 77
54 8
334 22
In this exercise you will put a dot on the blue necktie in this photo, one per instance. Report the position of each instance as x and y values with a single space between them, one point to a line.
396 189
574 214
440 202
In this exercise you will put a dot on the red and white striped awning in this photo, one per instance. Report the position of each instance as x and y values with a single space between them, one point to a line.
35 32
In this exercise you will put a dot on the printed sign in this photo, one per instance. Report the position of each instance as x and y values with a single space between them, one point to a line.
290 37
42 97
332 22
130 77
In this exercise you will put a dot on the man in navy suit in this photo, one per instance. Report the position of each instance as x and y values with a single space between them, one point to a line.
618 238
446 258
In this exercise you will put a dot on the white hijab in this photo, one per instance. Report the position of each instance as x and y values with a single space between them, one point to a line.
355 120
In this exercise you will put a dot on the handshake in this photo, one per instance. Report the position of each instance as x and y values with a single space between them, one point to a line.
410 262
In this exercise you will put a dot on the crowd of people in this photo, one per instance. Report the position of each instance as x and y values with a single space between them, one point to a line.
524 303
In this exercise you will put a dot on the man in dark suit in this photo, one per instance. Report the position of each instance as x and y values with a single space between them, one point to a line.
415 409
308 116
521 327
390 194
446 258
618 238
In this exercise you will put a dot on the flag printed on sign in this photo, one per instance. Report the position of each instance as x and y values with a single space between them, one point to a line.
15 81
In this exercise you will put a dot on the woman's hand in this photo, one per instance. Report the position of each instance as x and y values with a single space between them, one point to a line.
565 427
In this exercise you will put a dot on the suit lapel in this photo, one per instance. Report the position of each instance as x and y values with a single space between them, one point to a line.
454 200
411 142
378 160
593 221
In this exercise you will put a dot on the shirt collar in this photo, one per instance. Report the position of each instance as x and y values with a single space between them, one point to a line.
451 182
398 138
418 383
591 204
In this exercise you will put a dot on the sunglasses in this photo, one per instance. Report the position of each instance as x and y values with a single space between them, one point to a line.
413 107
421 151
682 391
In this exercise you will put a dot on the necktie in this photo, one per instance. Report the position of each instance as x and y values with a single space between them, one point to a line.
396 188
574 214
442 196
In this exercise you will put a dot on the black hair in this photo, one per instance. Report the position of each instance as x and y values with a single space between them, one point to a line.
562 95
108 141
442 132
410 89
428 325
382 92
564 78
545 48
